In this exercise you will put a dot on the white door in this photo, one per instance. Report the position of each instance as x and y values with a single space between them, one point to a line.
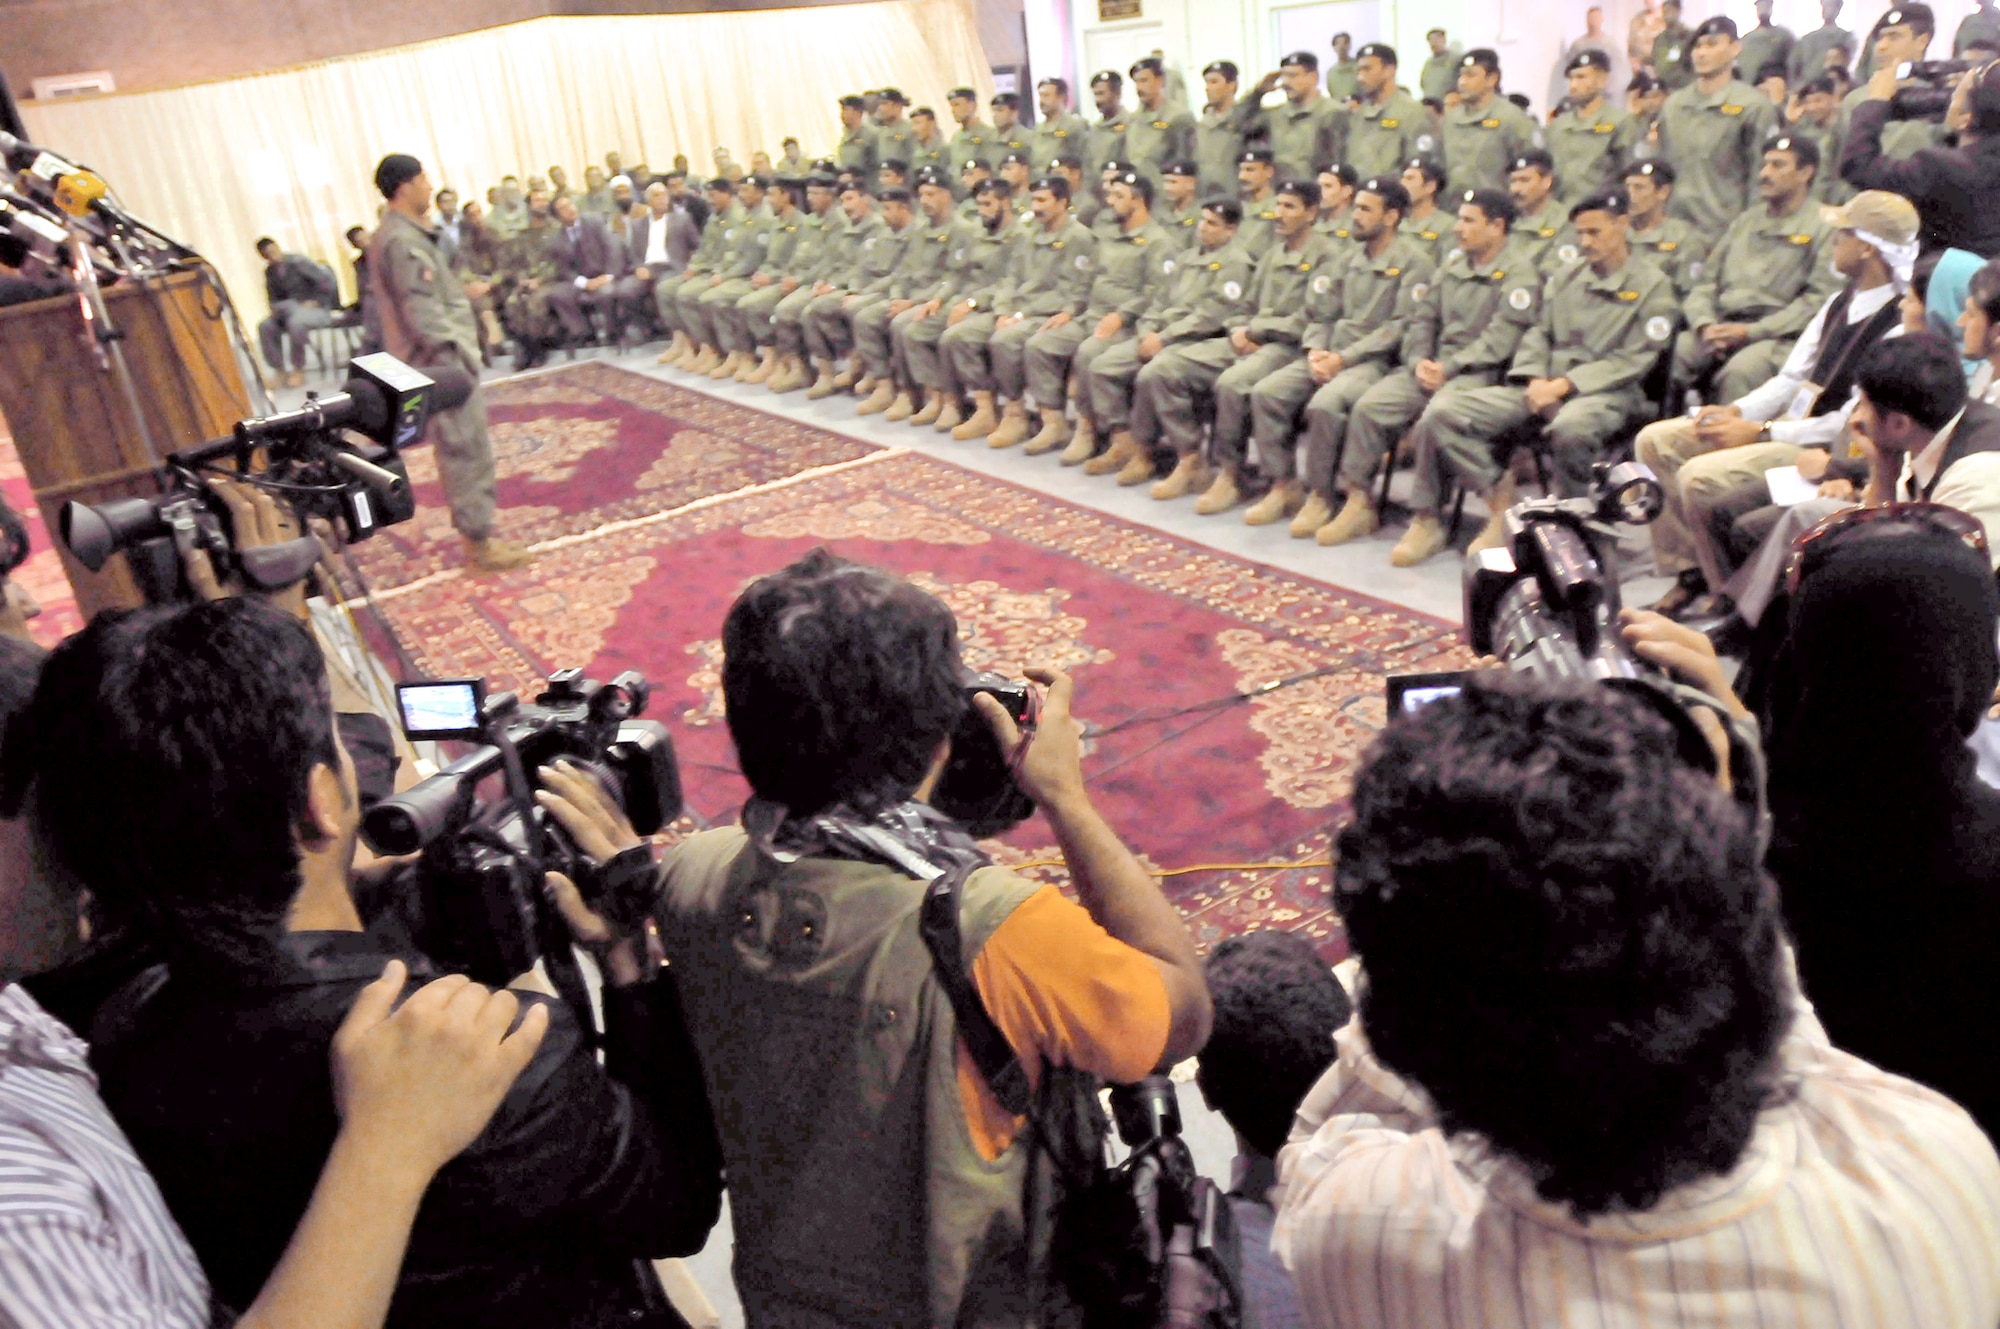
1311 27
1115 48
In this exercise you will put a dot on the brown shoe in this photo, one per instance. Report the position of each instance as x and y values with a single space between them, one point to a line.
1082 445
1222 494
790 376
983 420
1494 533
1316 513
1425 537
1054 433
1013 427
1123 449
1357 518
950 416
877 401
825 385
483 557
900 409
1184 479
1138 471
1278 503
706 362
727 369
933 408
847 377
766 366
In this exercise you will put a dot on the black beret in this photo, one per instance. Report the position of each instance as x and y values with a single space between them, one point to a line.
396 170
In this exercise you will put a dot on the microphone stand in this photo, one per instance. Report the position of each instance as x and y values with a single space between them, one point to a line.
106 341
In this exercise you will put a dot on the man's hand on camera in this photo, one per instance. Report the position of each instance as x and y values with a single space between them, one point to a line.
1051 770
259 521
1680 650
580 804
416 1085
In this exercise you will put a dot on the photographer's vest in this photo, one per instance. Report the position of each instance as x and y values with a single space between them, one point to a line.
830 1053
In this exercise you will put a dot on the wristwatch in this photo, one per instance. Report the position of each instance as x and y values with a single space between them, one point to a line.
1764 432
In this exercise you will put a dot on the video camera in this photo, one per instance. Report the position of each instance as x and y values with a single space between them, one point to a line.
1930 95
481 904
311 463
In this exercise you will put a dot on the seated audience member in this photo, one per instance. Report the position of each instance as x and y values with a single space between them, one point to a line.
589 261
1806 404
1581 1047
216 820
1277 1009
1906 623
303 295
1979 331
874 1177
85 1237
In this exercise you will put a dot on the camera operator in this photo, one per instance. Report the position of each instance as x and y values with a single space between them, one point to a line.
85 1233
215 816
1581 1046
1956 189
874 1177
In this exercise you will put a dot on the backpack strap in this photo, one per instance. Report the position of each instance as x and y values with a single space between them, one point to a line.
991 1053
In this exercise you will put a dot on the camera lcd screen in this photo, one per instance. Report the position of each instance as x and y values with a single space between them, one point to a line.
442 710
1409 693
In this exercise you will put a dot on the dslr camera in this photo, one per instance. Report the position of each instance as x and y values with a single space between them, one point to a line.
977 789
480 905
337 457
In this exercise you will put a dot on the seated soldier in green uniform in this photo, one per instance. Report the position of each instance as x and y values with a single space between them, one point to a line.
677 299
1256 180
975 259
1179 208
1671 242
744 323
845 228
1425 221
1538 217
926 251
882 239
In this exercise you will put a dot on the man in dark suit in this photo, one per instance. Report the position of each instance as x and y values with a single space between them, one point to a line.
589 261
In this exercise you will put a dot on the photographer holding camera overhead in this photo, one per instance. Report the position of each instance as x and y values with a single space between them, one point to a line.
1956 189
874 1176
215 818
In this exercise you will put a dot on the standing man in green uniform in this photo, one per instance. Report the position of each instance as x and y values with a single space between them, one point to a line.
1388 126
1060 132
1439 76
1808 59
979 261
1341 81
1106 140
1902 36
1156 133
1008 135
856 150
929 151
1763 44
1713 131
1218 135
1671 49
1604 323
1461 335
1134 267
1764 281
926 252
1671 242
1210 295
1592 139
975 138
427 323
1484 131
893 131
1357 313
1226 368
1308 129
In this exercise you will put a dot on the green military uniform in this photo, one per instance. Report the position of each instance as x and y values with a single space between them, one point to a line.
1168 387
1105 142
1604 334
1338 227
527 267
1065 135
976 263
1182 225
1209 296
1590 149
1471 322
1715 143
1901 139
1052 274
1480 144
878 248
1670 56
1982 24
926 253
840 242
1761 45
1535 234
1772 273
1434 231
1155 139
1676 247
1259 227
1382 136
1343 81
1359 310
1826 138
1303 137
796 242
716 307
1218 145
934 155
1808 60
598 202
428 322
1018 140
975 141
895 142
1134 271
1439 75
856 151
677 299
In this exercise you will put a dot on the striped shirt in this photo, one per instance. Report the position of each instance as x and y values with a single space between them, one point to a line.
1865 1201
85 1238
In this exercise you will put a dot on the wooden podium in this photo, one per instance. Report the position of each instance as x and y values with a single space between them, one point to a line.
72 422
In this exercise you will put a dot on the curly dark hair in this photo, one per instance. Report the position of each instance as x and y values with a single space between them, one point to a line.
839 681
1567 938
1277 1008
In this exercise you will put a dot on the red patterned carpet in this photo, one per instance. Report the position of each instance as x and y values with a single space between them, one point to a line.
42 574
663 503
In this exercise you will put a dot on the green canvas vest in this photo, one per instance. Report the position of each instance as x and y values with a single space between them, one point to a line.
830 1054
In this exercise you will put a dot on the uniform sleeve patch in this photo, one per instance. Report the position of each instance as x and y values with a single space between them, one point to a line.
1425 143
1322 284
1232 289
1083 263
1657 327
1519 299
1167 267
1567 253
1419 291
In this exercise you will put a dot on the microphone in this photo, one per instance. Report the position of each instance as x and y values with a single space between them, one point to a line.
61 183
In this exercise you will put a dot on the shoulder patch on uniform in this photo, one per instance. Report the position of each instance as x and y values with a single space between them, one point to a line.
1392 272
1322 284
1489 124
1390 122
1060 243
1167 267
1138 239
1159 124
1628 296
1603 129
1732 110
1667 246
1083 263
1232 289
1567 253
1518 298
1800 239
1419 291
1215 267
1425 143
1657 327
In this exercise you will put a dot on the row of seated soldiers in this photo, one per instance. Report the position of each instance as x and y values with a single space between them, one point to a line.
1269 350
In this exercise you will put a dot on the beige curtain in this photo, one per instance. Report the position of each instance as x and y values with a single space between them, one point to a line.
292 154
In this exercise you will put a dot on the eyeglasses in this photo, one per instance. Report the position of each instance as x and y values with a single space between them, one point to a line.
1811 550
